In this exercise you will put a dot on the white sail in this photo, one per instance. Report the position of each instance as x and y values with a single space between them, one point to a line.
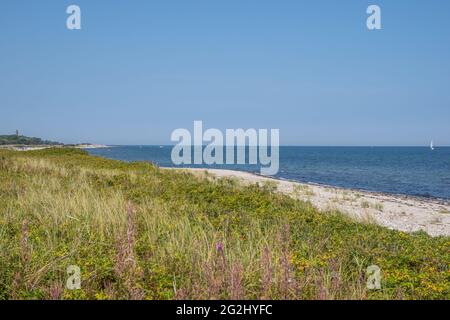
432 145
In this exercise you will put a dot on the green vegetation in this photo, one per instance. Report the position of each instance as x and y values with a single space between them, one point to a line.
365 204
140 232
22 140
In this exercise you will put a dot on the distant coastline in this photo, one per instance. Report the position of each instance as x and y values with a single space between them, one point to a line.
20 142
40 147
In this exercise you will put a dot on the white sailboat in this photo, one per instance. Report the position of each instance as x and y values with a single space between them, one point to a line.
432 145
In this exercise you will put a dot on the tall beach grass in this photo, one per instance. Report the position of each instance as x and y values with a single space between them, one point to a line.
140 232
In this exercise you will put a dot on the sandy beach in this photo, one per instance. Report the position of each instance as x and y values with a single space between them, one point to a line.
91 146
399 212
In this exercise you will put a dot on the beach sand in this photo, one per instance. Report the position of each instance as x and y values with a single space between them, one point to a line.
399 212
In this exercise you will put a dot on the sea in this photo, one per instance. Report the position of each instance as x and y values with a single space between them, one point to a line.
414 171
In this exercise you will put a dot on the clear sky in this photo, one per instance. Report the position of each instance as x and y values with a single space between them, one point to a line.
137 70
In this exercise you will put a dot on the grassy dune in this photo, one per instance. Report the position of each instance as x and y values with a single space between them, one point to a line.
140 232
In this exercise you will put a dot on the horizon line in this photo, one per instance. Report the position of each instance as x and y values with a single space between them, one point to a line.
288 145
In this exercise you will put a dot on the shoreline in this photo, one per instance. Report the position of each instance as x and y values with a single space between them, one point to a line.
442 201
395 211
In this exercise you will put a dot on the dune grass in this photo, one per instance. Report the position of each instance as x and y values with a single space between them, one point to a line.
140 232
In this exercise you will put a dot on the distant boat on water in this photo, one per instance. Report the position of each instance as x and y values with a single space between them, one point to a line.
432 145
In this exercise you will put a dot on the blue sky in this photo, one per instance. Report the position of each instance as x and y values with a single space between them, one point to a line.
140 69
